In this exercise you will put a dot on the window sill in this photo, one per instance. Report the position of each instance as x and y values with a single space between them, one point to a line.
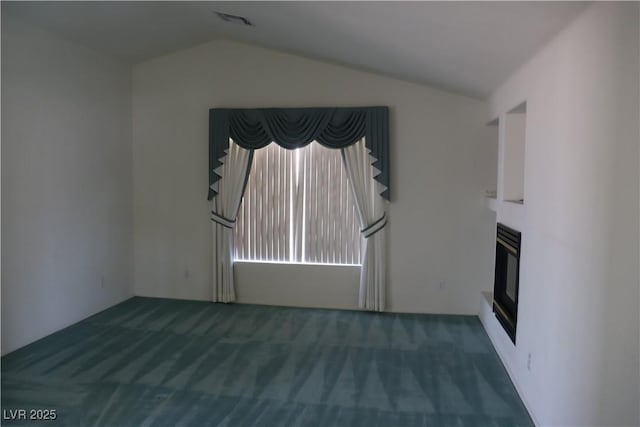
251 261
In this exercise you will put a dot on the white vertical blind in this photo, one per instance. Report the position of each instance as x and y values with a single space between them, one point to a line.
298 208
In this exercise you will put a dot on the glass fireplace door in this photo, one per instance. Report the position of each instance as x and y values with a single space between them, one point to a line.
505 290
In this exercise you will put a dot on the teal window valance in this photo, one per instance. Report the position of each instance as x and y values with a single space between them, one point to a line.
292 128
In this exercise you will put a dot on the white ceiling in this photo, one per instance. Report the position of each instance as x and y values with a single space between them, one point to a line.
465 47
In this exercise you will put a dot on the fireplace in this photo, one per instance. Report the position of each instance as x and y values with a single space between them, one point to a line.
507 275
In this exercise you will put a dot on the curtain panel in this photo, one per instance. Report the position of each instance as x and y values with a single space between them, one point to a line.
373 219
292 128
234 172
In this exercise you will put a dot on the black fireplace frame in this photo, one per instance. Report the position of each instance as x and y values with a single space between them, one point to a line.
508 242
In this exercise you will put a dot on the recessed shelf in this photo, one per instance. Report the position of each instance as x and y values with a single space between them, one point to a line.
517 202
513 159
493 131
508 136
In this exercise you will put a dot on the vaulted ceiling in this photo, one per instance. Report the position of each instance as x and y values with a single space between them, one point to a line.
465 47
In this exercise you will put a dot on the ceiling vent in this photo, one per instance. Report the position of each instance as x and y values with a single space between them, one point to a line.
234 19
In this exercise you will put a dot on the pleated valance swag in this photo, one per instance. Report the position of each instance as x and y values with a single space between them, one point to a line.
292 128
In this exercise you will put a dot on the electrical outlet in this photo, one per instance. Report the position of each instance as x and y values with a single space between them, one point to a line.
529 362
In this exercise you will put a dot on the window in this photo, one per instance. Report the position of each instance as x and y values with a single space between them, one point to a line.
298 208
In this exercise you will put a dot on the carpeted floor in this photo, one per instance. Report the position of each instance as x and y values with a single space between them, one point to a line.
158 362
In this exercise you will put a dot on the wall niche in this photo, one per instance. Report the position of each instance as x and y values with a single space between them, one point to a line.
514 139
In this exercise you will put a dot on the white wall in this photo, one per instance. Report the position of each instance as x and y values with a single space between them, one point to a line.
439 229
66 183
313 285
579 283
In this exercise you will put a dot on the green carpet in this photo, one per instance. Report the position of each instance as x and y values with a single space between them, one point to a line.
158 362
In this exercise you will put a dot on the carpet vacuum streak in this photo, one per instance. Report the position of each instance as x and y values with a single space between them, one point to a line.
161 362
